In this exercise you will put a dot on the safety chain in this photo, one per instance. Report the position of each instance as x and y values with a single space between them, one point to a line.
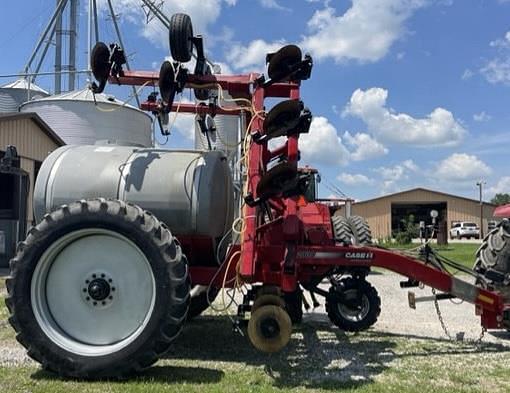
478 341
440 316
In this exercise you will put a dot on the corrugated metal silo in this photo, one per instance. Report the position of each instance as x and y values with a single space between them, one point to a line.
80 120
226 137
12 95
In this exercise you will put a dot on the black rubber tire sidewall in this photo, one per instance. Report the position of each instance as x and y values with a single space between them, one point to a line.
181 33
374 306
146 348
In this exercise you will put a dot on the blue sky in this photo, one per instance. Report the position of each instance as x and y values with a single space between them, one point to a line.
405 93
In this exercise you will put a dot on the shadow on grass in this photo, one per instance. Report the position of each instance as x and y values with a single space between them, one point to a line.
317 356
161 374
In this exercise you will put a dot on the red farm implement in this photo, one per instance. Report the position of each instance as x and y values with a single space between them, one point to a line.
287 240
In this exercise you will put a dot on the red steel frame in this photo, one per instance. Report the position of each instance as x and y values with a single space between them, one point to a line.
297 246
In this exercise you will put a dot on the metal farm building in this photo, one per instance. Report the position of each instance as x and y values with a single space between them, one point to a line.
384 214
34 141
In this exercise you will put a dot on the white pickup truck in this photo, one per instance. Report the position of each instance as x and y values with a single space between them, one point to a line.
464 229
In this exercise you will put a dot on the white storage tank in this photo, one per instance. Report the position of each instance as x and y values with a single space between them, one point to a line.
80 120
12 95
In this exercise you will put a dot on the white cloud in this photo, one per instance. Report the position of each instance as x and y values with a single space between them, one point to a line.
501 187
481 117
497 70
438 128
354 179
365 146
253 56
365 32
272 4
501 42
392 177
461 167
467 74
398 172
322 145
203 13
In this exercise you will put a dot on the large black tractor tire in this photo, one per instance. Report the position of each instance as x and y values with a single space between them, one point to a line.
342 231
99 289
362 236
201 300
181 37
360 308
494 253
360 230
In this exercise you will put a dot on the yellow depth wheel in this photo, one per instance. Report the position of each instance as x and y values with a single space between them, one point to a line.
269 328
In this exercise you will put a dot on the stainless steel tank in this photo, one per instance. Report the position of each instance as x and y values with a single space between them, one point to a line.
191 191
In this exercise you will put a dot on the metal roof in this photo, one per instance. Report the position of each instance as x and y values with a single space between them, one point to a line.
23 84
422 189
37 120
86 95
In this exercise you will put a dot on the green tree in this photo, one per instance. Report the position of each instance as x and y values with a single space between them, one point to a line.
408 230
501 199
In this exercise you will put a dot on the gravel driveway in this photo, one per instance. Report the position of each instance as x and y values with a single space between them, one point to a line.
396 318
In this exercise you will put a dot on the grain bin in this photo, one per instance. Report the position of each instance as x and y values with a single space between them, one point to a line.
12 95
80 119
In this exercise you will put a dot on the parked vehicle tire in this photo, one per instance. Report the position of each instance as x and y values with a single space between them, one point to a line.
200 299
494 253
181 37
342 231
362 236
360 230
353 305
99 289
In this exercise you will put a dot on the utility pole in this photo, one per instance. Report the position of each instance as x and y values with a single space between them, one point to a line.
480 185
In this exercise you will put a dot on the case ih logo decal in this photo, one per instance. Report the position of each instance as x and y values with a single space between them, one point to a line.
359 256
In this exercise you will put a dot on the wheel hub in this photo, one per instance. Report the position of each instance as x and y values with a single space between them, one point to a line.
98 290
269 328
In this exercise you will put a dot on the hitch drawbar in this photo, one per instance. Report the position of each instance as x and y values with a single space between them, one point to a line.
412 299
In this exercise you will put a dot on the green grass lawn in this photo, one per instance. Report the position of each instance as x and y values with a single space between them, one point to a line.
209 357
464 253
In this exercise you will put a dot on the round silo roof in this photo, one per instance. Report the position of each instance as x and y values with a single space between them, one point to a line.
23 84
86 95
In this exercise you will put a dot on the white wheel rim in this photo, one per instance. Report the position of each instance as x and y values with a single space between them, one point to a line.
61 297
